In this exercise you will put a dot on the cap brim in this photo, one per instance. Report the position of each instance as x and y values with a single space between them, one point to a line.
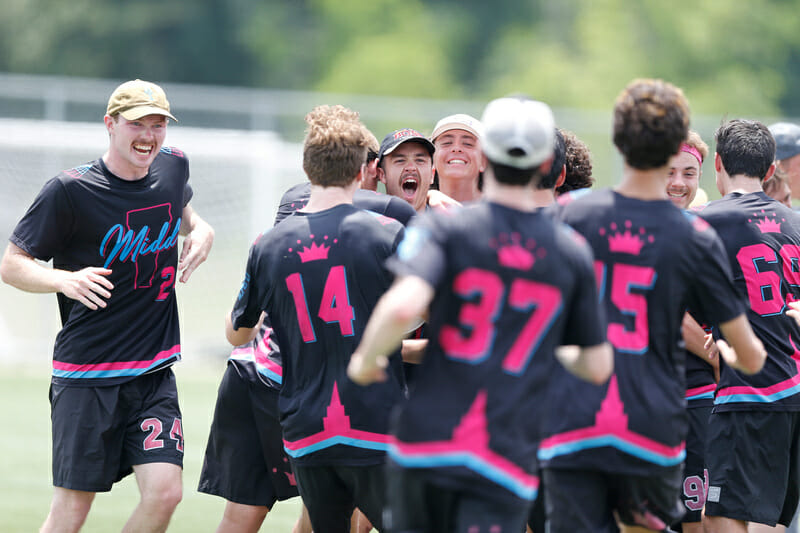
422 140
786 152
453 126
138 112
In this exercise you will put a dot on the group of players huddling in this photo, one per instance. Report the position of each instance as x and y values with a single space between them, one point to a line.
612 356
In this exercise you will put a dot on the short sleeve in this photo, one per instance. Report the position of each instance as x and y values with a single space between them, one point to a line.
714 298
585 321
47 226
249 303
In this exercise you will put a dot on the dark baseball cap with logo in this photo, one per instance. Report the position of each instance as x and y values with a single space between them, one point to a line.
398 137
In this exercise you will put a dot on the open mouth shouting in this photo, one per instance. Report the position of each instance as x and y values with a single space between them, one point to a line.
410 186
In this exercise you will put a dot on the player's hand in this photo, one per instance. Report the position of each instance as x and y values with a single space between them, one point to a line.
794 311
366 371
196 247
730 356
439 200
88 286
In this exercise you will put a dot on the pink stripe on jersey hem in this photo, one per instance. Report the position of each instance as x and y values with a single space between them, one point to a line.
763 391
121 365
701 390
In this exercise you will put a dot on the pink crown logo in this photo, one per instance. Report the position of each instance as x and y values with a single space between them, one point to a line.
767 225
627 242
315 253
515 256
512 254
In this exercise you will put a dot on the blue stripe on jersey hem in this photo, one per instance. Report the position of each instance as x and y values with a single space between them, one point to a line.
125 372
469 461
757 398
703 396
270 375
613 442
333 441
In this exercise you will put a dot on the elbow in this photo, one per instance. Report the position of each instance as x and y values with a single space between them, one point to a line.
756 362
605 365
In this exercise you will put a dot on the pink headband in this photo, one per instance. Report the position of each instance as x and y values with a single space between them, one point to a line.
692 150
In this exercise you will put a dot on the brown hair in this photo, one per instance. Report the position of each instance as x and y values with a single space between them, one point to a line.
335 146
578 162
651 120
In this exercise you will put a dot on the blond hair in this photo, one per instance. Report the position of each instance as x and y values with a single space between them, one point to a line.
335 146
695 141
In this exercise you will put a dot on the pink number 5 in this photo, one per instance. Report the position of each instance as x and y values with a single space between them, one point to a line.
626 277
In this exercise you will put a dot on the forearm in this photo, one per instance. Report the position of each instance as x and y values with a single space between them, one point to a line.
240 336
413 350
22 271
749 353
590 363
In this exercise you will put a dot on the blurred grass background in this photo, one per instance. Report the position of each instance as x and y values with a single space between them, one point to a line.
25 447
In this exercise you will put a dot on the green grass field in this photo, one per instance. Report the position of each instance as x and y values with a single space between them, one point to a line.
25 445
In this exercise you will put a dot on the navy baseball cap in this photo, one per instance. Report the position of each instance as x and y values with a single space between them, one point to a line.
787 139
398 137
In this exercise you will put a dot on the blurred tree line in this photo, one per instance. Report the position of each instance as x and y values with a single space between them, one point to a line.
739 58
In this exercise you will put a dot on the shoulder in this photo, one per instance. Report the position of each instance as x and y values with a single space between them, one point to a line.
298 194
171 151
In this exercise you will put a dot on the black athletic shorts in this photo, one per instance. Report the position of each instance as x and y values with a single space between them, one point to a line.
695 475
416 505
100 433
331 493
752 459
586 500
245 461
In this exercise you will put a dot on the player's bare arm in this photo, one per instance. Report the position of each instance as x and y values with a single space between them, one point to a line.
413 350
89 286
396 313
697 341
439 200
590 363
745 352
240 336
197 244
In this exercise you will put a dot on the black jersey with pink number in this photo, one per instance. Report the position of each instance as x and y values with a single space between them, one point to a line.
762 239
260 359
87 217
510 286
652 261
318 276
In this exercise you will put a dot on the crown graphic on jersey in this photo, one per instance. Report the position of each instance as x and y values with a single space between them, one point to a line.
314 253
627 242
766 224
512 254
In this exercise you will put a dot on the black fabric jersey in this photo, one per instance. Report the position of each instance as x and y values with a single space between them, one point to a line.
510 287
762 238
260 359
318 276
700 381
652 261
391 206
86 217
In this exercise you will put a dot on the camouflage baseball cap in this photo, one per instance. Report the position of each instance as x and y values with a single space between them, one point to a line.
136 99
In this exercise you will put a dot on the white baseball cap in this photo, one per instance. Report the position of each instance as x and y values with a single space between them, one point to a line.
518 132
459 121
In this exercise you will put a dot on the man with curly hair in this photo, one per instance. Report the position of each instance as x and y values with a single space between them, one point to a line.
615 452
578 164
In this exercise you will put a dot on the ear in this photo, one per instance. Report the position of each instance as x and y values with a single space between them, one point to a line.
484 162
109 121
718 162
381 175
562 177
770 173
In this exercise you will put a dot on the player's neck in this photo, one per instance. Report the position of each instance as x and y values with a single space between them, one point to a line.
323 198
741 184
519 197
650 184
